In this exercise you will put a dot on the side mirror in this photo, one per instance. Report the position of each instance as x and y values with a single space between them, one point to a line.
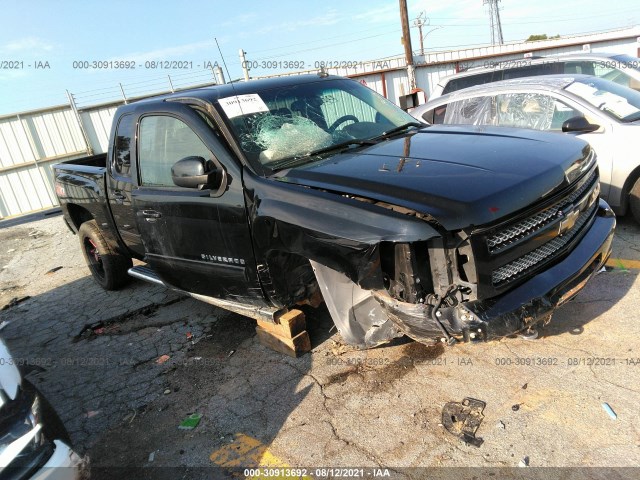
195 172
579 125
634 84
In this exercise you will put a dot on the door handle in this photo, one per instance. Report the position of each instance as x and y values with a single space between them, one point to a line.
151 214
118 197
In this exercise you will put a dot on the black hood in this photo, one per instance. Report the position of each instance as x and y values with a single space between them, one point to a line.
461 176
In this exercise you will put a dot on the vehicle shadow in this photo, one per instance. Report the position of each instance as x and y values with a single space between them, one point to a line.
597 298
124 368
606 289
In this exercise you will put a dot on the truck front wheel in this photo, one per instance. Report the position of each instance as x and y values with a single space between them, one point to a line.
108 267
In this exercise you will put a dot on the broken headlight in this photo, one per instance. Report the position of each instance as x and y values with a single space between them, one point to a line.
23 446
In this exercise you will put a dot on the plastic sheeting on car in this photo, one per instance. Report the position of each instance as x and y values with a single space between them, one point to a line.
525 110
470 111
521 110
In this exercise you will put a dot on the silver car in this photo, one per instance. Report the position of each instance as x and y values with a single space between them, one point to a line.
621 69
34 444
603 113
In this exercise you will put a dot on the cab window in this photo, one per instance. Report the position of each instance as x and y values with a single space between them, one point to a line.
163 140
122 146
471 81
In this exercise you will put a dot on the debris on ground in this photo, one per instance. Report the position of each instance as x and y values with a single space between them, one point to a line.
130 417
190 422
524 462
529 334
53 270
501 425
524 387
231 353
167 391
152 456
463 419
189 336
92 413
4 324
15 301
162 359
516 407
609 410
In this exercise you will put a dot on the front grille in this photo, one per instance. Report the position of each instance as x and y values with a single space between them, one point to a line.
517 268
513 250
529 226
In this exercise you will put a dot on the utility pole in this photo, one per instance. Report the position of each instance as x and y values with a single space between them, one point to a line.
494 21
406 40
420 22
243 63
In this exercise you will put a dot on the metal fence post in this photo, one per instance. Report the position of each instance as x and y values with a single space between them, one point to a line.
123 95
72 102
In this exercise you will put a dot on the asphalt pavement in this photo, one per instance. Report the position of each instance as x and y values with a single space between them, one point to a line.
125 368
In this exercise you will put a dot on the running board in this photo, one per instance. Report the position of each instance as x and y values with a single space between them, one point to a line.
265 314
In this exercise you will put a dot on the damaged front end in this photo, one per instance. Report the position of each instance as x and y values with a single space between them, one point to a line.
391 271
479 285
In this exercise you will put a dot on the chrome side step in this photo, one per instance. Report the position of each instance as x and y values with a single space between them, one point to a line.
267 314
145 273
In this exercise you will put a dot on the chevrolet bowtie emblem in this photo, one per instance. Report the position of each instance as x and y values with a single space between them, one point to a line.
568 220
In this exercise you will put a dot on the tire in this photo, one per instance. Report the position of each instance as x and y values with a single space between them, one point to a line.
634 201
108 267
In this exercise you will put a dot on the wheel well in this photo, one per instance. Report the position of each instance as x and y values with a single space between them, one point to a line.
628 185
78 215
291 277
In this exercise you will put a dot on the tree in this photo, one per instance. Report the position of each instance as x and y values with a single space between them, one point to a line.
535 38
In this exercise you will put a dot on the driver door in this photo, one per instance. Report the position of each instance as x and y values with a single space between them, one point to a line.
195 240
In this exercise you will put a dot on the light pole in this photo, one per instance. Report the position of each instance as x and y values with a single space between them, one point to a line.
421 21
425 36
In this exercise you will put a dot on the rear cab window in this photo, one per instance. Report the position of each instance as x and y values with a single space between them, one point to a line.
121 160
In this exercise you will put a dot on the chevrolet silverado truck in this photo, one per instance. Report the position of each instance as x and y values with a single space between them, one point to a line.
263 195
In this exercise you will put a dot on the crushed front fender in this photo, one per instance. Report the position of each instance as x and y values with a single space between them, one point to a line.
518 309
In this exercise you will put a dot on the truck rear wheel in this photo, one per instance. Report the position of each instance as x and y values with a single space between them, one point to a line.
634 200
108 267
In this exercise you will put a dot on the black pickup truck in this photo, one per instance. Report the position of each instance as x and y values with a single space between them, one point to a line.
263 195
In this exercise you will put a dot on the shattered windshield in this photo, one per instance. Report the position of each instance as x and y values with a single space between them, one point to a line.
276 125
619 102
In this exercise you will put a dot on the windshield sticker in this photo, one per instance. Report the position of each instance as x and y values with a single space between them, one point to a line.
239 105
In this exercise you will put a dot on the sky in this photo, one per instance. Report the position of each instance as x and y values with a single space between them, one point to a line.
45 46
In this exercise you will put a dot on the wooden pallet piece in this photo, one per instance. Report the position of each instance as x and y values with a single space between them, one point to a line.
288 336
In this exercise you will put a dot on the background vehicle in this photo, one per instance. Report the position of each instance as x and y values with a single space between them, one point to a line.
257 196
621 69
603 113
33 441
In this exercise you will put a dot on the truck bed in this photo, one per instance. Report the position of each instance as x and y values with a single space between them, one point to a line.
93 161
82 182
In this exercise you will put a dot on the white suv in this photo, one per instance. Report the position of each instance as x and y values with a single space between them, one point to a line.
621 69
